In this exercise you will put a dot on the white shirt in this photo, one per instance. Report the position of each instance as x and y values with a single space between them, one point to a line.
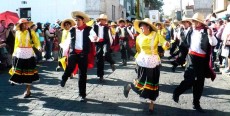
196 37
101 31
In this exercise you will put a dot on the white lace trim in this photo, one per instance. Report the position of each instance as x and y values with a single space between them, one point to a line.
24 53
149 61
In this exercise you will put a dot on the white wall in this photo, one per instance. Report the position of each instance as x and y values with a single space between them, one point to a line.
45 10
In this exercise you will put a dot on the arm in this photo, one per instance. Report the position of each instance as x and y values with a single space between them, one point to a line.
48 33
138 49
110 36
130 33
93 36
165 44
36 40
211 38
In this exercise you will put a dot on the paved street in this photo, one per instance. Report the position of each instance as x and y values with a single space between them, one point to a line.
106 98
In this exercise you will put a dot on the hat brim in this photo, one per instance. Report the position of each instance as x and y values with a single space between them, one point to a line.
79 13
102 18
190 20
137 23
162 25
30 23
118 21
72 22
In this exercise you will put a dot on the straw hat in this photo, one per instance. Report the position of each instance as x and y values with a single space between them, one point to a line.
162 25
113 24
82 14
147 21
72 23
184 18
21 21
198 17
121 19
103 16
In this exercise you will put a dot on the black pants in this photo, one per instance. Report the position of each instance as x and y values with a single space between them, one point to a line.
173 48
194 76
183 51
102 55
124 49
82 61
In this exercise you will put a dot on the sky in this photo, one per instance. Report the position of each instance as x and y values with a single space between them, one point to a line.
170 5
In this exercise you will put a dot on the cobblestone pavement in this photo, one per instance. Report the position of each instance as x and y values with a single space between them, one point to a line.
106 98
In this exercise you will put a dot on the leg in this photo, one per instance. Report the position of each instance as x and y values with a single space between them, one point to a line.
100 61
197 92
82 64
69 69
187 83
27 93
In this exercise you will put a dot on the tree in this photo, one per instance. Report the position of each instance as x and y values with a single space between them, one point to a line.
154 4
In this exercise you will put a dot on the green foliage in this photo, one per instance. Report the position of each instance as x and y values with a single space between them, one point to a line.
155 4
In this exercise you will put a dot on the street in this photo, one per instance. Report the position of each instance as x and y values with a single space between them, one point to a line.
106 98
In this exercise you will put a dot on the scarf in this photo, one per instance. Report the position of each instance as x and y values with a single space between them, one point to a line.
82 27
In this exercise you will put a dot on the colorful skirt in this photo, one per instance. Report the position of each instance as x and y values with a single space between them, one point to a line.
147 83
24 69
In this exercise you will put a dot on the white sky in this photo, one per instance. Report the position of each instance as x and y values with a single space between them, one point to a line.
170 5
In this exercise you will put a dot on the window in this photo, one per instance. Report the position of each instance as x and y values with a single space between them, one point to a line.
113 12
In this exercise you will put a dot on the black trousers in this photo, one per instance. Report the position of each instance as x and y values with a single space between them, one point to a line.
102 55
194 77
183 51
172 51
124 49
82 61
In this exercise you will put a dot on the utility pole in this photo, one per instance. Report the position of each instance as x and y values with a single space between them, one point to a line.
137 9
181 8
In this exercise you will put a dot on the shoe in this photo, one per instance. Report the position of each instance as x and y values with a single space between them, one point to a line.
27 95
62 83
175 98
101 78
50 59
198 108
112 67
173 68
83 99
126 90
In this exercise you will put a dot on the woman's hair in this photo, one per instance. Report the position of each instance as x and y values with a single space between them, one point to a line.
11 24
67 22
150 28
39 26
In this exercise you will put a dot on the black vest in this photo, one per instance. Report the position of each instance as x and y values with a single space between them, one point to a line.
86 40
105 34
119 33
205 46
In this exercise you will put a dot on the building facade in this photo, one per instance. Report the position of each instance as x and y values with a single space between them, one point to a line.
51 10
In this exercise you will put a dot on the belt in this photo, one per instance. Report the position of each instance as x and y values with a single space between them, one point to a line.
197 54
78 51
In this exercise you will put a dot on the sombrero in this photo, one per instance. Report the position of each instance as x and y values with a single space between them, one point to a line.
21 21
121 19
198 17
82 14
147 21
113 24
72 23
102 16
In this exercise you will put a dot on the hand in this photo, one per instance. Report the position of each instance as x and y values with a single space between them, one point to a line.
167 44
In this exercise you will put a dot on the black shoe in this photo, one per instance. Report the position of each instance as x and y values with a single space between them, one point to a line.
62 83
101 78
112 67
83 99
58 68
173 68
175 98
126 90
198 108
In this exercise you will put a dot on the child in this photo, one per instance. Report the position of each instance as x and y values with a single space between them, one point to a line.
55 49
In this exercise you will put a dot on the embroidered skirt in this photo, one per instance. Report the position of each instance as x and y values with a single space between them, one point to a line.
24 69
147 83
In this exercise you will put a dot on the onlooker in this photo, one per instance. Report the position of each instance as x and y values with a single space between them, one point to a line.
49 42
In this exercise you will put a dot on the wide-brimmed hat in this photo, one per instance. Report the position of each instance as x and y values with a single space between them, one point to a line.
82 14
184 19
147 21
21 21
119 20
72 23
113 24
102 16
198 17
156 23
